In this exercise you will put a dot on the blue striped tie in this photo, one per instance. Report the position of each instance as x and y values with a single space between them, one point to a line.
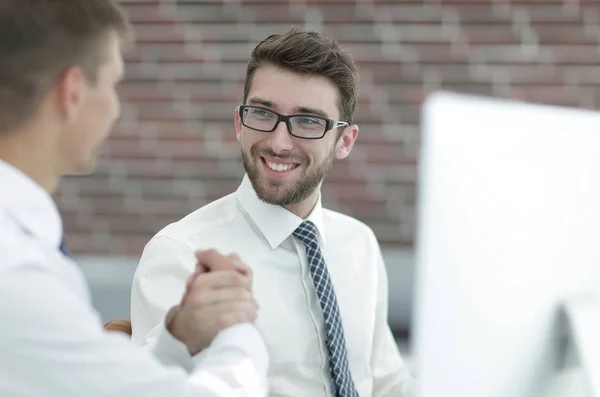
336 343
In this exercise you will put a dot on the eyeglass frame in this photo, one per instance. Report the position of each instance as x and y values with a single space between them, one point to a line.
330 123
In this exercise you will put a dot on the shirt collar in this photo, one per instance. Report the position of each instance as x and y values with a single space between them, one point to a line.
273 221
30 205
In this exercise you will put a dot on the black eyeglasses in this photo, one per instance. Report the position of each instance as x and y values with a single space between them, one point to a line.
305 126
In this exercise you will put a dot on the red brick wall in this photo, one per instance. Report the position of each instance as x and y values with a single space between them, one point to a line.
175 149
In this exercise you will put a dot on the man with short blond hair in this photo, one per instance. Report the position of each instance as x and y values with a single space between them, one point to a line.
60 63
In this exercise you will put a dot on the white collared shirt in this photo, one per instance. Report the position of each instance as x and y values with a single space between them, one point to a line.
290 317
52 342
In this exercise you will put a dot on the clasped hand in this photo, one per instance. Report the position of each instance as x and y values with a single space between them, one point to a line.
217 295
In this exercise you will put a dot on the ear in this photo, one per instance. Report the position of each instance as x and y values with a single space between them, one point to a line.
346 142
238 124
71 89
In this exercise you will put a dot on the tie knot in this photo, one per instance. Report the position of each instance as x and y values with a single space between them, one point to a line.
306 233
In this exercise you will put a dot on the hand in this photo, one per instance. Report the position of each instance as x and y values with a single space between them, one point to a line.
218 295
207 261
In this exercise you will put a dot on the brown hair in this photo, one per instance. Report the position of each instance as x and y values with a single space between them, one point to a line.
309 53
40 39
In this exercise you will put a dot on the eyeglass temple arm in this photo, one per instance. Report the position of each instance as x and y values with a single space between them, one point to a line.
337 124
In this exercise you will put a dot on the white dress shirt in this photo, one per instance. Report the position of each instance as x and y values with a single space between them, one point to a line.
290 317
52 341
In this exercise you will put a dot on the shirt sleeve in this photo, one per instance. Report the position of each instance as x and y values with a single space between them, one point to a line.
158 285
391 376
168 349
53 344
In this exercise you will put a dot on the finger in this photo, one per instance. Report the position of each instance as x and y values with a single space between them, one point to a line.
190 280
188 285
221 279
214 260
200 268
226 314
184 298
216 296
239 265
211 258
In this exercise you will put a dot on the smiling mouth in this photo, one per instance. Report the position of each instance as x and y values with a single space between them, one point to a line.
279 167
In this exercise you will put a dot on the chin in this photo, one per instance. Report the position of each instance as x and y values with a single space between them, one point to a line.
278 192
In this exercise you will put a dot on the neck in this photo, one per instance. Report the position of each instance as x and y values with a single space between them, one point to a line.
304 207
30 155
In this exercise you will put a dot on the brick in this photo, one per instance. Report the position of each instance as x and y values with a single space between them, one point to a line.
194 12
144 12
440 54
408 13
386 154
152 33
576 54
548 12
349 189
490 35
585 75
547 96
482 13
565 34
374 210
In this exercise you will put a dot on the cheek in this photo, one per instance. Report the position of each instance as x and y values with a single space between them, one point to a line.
316 154
105 108
249 139
113 105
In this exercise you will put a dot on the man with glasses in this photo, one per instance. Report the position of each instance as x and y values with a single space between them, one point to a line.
319 276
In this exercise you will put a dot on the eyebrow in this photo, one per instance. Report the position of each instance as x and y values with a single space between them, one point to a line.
299 109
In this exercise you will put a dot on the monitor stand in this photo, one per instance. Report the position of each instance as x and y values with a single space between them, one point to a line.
579 372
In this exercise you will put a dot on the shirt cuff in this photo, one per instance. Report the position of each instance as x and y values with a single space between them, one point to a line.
242 337
170 350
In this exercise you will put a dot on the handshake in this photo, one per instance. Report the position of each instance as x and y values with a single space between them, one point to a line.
217 295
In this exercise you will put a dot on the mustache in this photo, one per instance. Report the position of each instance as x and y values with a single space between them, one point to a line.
270 153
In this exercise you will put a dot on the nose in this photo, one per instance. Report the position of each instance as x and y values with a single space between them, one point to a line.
280 139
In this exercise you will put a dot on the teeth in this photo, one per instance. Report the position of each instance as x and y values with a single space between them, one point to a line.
279 167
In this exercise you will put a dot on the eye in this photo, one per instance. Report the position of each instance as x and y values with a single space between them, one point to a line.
309 121
260 113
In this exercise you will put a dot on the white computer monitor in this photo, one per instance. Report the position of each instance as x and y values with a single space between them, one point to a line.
508 227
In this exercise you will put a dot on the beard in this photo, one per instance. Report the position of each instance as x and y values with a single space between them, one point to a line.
282 192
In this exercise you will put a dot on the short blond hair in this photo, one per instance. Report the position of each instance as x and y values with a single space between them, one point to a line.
39 39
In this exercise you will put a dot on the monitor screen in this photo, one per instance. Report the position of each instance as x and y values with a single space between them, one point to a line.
508 227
